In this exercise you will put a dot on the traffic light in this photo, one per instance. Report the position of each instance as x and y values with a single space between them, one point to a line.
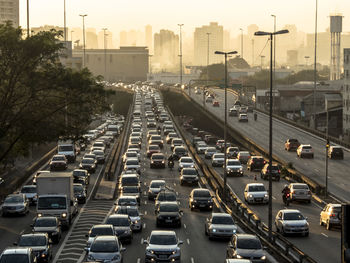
345 234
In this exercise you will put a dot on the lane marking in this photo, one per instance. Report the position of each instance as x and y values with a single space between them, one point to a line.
144 225
138 260
274 198
185 226
141 241
324 234
145 212
192 260
188 241
145 202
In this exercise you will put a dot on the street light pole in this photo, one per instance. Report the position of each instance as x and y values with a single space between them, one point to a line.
180 25
71 37
208 35
105 49
83 16
64 18
327 148
270 34
28 30
225 123
315 68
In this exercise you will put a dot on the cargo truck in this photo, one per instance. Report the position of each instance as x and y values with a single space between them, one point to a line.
56 197
67 148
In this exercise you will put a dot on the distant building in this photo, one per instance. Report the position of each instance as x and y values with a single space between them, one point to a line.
123 38
9 11
126 64
148 38
67 58
91 38
346 94
292 57
216 42
166 49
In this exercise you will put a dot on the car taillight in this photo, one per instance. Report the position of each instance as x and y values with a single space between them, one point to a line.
279 171
293 192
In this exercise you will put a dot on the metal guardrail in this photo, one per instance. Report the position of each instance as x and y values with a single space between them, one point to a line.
233 205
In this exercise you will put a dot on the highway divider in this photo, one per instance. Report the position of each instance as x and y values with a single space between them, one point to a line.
279 245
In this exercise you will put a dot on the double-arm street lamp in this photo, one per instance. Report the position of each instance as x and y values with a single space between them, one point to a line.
270 34
226 54
83 16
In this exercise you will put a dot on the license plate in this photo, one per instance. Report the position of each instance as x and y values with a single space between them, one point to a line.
201 205
168 221
258 199
163 256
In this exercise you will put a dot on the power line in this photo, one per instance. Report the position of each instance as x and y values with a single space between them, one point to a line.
267 41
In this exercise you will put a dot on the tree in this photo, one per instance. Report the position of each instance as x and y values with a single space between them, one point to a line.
216 72
238 63
37 93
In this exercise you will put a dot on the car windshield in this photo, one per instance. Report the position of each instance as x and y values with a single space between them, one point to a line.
132 162
301 186
29 189
130 180
131 154
118 221
201 194
104 246
166 197
58 158
130 189
79 173
45 222
186 160
10 258
157 184
155 137
14 199
130 211
101 231
126 201
222 220
98 152
189 171
169 208
233 162
336 209
293 216
153 147
307 147
219 156
248 243
88 161
32 241
66 148
157 157
163 240
177 141
52 202
211 150
257 188
92 156
337 150
78 188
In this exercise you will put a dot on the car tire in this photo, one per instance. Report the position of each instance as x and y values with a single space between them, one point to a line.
306 234
282 232
328 225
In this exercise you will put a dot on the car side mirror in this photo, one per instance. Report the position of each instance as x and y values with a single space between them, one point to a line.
180 242
86 235
145 242
123 249
15 244
87 249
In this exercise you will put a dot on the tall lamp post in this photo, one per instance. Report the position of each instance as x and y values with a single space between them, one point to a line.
225 123
241 42
208 35
71 37
315 68
28 30
270 34
180 25
105 49
83 16
64 23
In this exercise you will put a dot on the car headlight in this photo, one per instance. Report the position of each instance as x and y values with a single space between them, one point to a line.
263 257
40 215
238 256
150 251
174 252
251 196
234 231
213 230
64 215
266 195
136 221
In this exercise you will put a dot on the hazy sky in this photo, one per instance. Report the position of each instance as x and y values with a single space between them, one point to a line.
119 15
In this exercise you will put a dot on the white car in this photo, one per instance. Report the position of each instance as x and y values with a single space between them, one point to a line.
201 147
130 154
186 162
291 221
243 117
300 192
154 188
132 164
255 193
234 167
218 160
305 150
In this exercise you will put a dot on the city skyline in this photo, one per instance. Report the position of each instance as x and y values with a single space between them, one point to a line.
134 15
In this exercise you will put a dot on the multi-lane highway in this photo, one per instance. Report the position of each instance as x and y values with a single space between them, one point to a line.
258 131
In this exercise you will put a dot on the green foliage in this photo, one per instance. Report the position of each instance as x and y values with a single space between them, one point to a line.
216 72
37 92
238 63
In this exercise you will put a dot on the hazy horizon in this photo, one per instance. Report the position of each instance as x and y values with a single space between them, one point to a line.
136 14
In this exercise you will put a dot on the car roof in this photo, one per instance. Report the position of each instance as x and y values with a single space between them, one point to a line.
163 232
200 190
118 216
221 214
157 181
106 238
246 236
19 250
129 175
102 226
255 184
290 211
35 234
292 184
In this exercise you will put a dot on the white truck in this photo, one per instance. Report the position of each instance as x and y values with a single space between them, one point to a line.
56 197
67 148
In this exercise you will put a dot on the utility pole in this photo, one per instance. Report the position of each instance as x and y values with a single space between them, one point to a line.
83 16
252 52
71 37
208 35
64 18
180 25
105 50
315 69
241 43
28 29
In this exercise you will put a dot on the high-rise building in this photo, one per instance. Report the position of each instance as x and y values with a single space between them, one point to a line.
216 42
166 49
91 38
346 93
148 38
9 11
123 38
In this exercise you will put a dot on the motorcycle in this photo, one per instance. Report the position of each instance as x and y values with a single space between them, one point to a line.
286 199
171 164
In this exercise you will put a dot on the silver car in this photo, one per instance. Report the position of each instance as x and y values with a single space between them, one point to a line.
105 249
256 193
134 215
246 246
217 160
15 204
291 221
300 192
209 152
201 147
132 164
30 192
234 167
154 188
99 230
186 162
220 225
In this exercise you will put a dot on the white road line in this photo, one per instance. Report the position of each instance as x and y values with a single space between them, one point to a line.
192 260
141 241
145 212
138 260
174 184
274 198
188 241
144 225
324 234
185 226
145 202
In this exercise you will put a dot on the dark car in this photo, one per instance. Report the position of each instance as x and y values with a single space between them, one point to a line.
80 193
81 173
50 225
122 226
169 214
291 145
40 245
275 172
88 164
255 163
201 198
335 152
157 160
131 191
179 151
